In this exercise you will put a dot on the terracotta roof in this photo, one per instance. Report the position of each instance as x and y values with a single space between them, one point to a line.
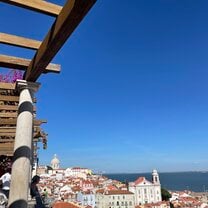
117 192
141 180
65 205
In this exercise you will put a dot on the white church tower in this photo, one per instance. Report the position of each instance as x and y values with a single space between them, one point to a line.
146 191
55 162
155 177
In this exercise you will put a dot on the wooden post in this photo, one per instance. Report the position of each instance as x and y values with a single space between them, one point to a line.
21 167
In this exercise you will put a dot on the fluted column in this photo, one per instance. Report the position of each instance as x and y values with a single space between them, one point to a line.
21 167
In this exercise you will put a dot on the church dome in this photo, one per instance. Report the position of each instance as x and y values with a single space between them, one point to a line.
55 162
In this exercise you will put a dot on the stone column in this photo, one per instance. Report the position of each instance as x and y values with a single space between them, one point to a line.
21 167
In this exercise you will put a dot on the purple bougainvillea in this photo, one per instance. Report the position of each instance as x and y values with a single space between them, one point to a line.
11 76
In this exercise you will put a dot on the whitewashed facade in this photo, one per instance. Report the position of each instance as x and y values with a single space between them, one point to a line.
86 198
146 191
114 199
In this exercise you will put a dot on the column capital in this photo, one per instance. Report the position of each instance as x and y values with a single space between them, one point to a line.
23 84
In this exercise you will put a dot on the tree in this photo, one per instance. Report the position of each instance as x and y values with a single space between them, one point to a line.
165 194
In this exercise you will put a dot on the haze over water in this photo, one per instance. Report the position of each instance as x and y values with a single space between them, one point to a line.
194 181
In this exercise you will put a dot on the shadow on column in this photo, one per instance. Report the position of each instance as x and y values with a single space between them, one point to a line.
23 151
18 204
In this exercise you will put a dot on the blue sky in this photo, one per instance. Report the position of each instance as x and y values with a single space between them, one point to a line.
132 93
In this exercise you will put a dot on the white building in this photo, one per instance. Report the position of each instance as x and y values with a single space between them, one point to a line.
86 198
114 199
146 191
78 172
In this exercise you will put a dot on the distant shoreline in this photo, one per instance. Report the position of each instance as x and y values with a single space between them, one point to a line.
188 171
196 181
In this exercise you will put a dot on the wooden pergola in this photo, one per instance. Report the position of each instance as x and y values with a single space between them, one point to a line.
66 19
9 100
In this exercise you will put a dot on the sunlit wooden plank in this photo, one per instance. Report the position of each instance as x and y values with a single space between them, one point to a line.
8 115
12 134
12 108
7 86
69 18
19 41
13 129
13 121
9 98
13 62
37 5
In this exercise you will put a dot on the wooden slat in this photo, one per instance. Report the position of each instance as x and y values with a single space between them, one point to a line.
13 129
8 130
9 98
37 5
6 145
19 41
13 121
12 98
12 140
22 64
9 107
7 140
7 86
6 148
11 134
69 18
7 153
8 115
12 107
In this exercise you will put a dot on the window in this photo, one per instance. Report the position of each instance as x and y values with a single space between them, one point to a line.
123 197
130 203
117 203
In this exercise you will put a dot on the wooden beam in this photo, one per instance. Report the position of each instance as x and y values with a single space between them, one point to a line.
7 86
13 129
9 98
9 107
69 18
7 153
12 134
13 121
8 115
6 145
19 41
7 140
22 64
12 108
37 5
12 140
7 148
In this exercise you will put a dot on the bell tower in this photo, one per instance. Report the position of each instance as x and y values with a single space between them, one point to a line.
155 177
